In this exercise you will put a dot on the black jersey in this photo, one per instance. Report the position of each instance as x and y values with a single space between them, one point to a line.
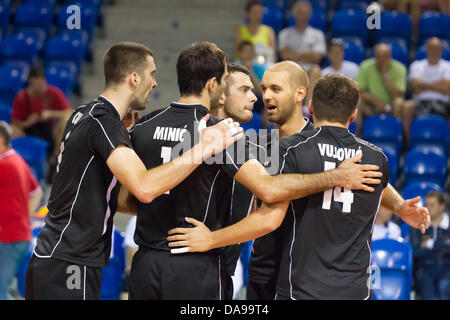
162 136
327 236
84 195
266 250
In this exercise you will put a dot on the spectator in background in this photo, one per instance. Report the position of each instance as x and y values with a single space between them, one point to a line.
131 248
382 82
338 64
20 195
384 228
40 110
411 7
303 43
246 56
432 252
260 35
430 82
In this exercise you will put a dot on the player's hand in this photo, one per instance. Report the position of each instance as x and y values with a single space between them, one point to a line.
358 176
128 121
197 239
216 138
417 217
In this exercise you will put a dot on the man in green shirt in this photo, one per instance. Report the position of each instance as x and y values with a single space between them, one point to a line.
382 82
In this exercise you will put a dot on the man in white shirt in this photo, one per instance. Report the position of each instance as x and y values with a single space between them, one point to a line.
338 64
430 80
384 228
303 43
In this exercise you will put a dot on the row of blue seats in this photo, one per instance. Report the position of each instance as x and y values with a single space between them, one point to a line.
426 159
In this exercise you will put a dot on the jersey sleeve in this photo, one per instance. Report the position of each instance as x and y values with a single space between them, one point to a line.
287 158
235 156
108 133
385 171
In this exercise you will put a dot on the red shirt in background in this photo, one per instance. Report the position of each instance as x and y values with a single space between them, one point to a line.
16 185
52 99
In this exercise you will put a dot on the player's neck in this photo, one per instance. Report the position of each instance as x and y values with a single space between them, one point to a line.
324 123
292 126
436 221
119 100
203 100
219 113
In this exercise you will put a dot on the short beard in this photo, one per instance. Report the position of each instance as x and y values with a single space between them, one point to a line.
136 105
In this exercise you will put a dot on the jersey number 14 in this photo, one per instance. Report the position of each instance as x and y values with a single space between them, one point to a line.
345 197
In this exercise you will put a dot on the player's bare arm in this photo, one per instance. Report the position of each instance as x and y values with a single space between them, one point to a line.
408 210
349 175
146 185
200 239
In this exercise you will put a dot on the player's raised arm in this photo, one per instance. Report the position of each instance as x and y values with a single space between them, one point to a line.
146 185
200 239
349 175
408 210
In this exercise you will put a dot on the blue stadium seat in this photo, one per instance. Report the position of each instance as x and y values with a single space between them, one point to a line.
393 161
395 27
66 49
62 78
352 127
113 273
34 151
13 80
246 253
353 4
412 190
431 25
350 25
34 15
88 19
19 50
4 18
21 273
384 128
354 52
274 17
394 260
425 165
5 112
318 19
430 131
421 52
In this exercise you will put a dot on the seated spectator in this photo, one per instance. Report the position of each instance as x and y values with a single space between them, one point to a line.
436 5
338 64
382 82
384 228
303 44
20 195
260 35
430 82
246 56
432 252
40 110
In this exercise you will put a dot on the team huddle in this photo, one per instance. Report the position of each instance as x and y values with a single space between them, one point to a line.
200 186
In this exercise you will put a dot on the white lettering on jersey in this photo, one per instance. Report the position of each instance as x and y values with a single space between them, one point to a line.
169 133
335 152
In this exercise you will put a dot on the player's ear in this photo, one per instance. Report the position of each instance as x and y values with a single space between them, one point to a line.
211 84
300 94
222 99
353 116
134 80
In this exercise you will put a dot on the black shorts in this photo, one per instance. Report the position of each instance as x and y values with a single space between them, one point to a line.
52 279
259 290
160 275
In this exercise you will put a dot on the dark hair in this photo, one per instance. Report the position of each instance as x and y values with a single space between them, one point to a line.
122 59
438 195
243 44
334 98
252 3
5 132
197 64
36 72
